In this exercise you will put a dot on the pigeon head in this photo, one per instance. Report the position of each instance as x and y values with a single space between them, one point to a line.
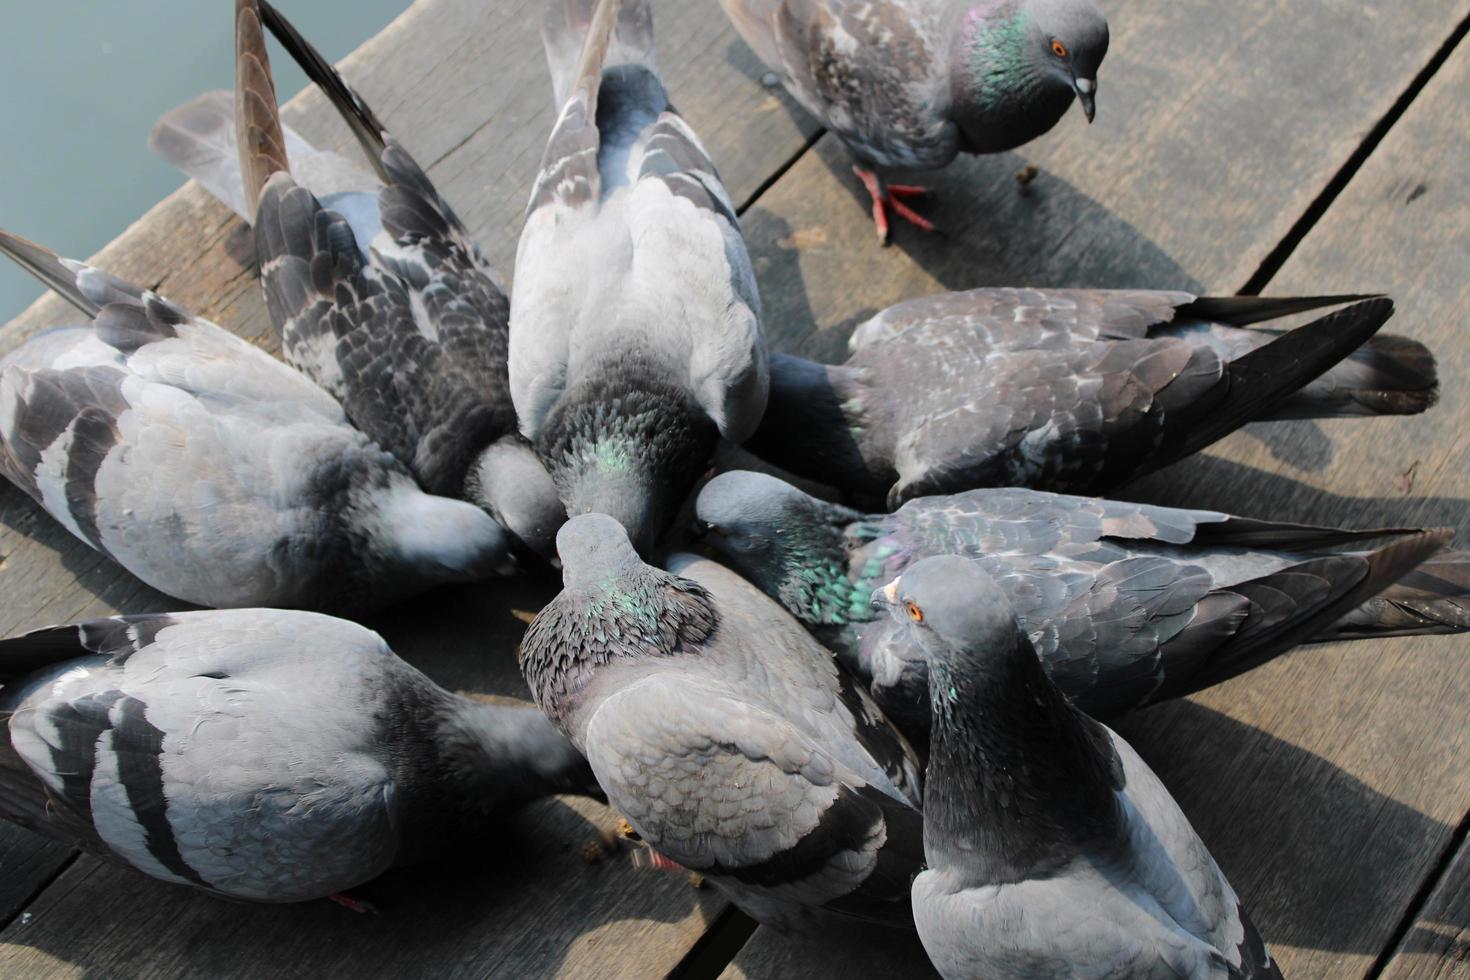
613 608
510 482
787 542
1019 65
594 550
443 539
956 613
1017 777
631 453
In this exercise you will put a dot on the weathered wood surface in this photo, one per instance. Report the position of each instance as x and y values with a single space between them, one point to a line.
1437 945
1410 201
464 86
1328 783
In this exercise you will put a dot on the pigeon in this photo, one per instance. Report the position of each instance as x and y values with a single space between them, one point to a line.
910 84
1076 391
1052 850
378 291
636 339
209 469
725 734
257 754
1127 604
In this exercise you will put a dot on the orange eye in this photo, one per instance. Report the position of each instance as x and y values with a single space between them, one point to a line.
1059 49
915 613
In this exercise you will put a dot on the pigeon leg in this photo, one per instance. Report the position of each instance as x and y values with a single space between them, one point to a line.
890 196
353 904
647 857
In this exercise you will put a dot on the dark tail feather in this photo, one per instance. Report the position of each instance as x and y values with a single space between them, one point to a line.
1257 382
30 652
1389 375
1240 311
1292 606
1432 599
48 267
360 118
261 143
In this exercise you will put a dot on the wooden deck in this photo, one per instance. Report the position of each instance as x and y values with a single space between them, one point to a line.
1308 146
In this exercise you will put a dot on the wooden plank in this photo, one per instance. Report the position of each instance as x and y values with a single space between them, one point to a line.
1437 945
464 86
1327 782
1403 223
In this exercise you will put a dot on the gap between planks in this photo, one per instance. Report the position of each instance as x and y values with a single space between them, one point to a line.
1276 258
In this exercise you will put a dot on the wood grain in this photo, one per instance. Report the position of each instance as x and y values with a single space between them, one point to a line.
464 86
1437 945
1327 783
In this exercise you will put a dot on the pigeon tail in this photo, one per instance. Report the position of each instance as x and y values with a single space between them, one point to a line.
582 37
1241 311
261 143
199 139
1256 383
365 125
1286 608
1430 600
57 273
1389 375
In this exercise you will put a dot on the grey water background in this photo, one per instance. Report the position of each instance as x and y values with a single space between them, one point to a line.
81 83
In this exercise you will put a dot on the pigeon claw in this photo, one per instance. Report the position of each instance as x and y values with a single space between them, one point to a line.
353 904
891 196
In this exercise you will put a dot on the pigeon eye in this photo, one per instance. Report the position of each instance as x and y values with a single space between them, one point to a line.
915 613
1058 48
718 531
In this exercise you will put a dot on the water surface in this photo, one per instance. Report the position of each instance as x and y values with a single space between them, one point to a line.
81 84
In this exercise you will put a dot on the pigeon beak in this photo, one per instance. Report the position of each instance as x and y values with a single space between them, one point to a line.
886 596
1086 94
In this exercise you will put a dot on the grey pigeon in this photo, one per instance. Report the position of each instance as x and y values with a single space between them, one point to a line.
636 339
257 754
378 291
1052 849
1076 391
1127 604
910 84
209 469
724 733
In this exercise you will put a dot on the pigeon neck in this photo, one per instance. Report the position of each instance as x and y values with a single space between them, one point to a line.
641 614
1018 780
1002 100
814 583
505 755
816 424
628 445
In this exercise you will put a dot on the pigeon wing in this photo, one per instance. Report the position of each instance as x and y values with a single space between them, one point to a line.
727 788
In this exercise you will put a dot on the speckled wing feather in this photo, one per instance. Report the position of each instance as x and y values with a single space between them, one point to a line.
738 793
187 743
631 242
1034 402
875 73
385 299
1130 603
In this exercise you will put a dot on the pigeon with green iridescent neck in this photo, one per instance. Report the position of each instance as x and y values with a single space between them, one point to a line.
726 735
1052 850
635 339
910 84
1127 603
